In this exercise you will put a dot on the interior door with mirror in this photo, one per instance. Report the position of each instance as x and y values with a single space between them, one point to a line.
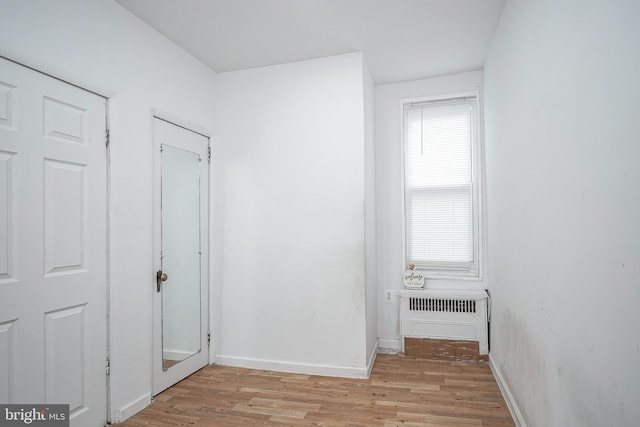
181 246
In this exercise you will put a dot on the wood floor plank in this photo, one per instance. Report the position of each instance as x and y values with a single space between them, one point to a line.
402 391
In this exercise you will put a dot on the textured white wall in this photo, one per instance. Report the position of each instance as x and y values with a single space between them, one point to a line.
290 230
389 178
101 46
562 149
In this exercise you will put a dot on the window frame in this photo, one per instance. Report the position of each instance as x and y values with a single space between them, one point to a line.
477 172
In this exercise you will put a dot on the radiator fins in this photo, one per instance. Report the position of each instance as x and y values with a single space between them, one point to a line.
442 305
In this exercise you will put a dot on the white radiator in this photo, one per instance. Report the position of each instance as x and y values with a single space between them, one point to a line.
444 314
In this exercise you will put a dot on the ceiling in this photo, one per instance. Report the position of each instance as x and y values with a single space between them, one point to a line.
401 39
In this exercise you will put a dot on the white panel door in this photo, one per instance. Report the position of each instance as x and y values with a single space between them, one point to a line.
180 344
52 244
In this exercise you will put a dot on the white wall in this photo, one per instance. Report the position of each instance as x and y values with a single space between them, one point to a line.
562 124
290 232
101 46
389 177
370 214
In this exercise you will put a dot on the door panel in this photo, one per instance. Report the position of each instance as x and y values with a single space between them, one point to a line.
181 285
52 244
65 219
6 218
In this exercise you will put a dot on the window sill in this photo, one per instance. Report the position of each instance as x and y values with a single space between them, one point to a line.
457 283
439 293
431 276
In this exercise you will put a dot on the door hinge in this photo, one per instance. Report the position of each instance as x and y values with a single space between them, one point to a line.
208 339
108 137
108 366
209 153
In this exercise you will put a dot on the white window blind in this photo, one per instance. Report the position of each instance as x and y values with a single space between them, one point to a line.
439 185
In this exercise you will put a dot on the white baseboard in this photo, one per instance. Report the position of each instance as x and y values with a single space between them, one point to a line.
506 393
389 346
372 358
119 415
293 367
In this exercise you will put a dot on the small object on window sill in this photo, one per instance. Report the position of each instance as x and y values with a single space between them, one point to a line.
413 279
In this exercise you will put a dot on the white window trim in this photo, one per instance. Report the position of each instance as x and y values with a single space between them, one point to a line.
477 162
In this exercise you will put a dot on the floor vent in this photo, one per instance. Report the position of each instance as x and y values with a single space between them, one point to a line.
445 315
437 304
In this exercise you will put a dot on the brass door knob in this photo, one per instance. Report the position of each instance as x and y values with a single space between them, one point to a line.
160 277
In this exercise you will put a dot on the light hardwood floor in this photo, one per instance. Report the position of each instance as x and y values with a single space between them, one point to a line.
402 391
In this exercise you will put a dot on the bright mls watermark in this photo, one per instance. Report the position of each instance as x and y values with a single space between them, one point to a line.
34 415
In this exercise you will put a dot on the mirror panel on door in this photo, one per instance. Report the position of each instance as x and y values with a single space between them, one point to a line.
181 255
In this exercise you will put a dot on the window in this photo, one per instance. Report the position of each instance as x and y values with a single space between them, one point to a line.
441 187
